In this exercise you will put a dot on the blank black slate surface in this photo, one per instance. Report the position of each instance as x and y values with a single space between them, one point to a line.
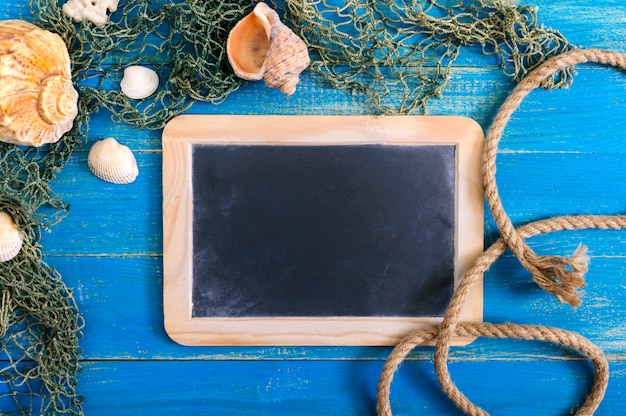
322 230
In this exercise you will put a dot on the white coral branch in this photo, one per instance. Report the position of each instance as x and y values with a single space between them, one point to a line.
95 11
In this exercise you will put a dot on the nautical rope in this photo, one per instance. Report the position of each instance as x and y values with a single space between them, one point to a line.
557 275
560 276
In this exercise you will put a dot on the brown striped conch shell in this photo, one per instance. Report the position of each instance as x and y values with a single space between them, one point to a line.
10 238
38 103
260 46
112 162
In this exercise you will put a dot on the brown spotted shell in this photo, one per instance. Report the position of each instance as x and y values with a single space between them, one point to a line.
38 103
260 46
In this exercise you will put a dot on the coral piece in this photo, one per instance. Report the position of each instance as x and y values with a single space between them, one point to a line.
95 11
38 102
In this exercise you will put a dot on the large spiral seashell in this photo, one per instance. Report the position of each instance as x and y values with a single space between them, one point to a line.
112 162
38 103
260 46
10 238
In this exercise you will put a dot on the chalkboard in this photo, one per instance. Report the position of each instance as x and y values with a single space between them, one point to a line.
316 230
328 230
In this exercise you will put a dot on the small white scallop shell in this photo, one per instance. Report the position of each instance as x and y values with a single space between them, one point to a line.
10 238
139 82
112 162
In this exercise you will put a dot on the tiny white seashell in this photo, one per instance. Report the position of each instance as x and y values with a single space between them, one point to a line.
139 82
10 238
95 11
112 162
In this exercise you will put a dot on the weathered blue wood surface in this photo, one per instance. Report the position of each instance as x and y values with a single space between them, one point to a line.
564 152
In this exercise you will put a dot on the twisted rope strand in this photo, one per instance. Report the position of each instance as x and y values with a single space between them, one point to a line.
450 326
560 276
567 271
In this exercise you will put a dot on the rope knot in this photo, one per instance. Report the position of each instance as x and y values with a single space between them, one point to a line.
560 276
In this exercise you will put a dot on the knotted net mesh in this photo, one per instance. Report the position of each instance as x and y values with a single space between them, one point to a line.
395 54
399 53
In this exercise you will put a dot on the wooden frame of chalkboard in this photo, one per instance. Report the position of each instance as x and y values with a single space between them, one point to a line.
185 133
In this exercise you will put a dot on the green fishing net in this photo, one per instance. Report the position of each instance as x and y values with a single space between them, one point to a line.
40 325
399 53
395 54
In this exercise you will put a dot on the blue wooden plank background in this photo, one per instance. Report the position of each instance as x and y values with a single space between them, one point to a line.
563 153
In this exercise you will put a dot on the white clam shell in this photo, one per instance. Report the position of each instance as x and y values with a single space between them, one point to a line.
112 162
10 238
139 82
